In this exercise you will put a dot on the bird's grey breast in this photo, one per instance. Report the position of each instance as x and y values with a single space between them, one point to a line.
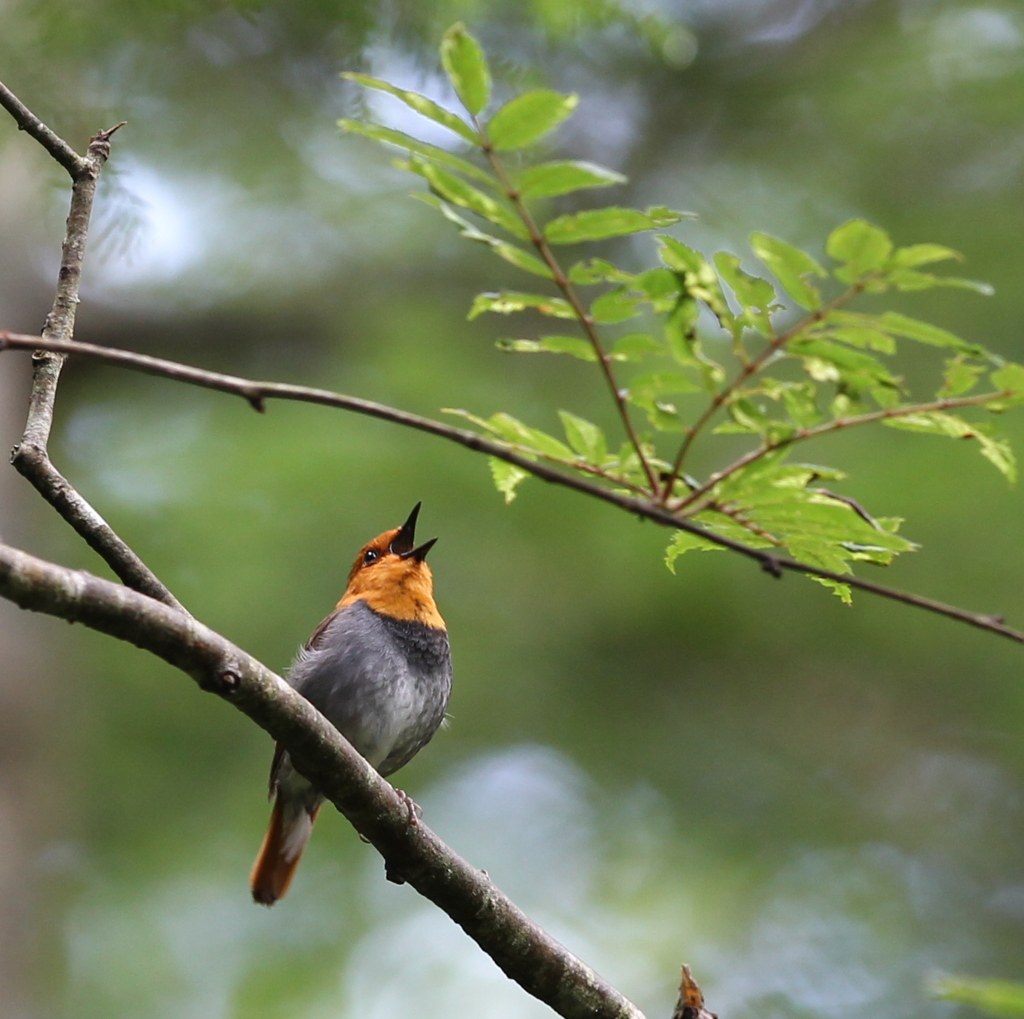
383 682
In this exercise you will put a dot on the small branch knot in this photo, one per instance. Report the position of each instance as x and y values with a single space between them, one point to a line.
770 564
224 682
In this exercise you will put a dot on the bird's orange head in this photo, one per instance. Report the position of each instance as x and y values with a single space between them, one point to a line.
391 575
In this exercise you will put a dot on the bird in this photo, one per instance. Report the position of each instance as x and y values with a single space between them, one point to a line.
379 668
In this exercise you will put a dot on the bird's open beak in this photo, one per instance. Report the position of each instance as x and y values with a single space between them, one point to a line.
404 542
419 554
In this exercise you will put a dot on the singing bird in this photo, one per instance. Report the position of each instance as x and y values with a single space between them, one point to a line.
379 667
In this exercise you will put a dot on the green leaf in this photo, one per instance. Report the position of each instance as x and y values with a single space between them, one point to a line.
572 345
755 295
509 252
676 255
901 325
456 191
1003 998
959 377
548 180
861 246
527 118
861 336
922 254
1009 378
997 451
507 477
421 104
635 347
597 224
791 267
585 437
506 302
389 136
466 66
700 279
684 541
911 279
599 270
661 384
826 361
615 306
513 430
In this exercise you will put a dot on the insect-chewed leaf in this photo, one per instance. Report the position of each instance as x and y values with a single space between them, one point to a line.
513 430
924 332
684 541
615 306
756 295
506 302
406 141
923 254
509 252
572 345
585 437
996 450
466 66
597 224
635 347
527 118
421 104
791 267
457 192
507 477
562 177
862 248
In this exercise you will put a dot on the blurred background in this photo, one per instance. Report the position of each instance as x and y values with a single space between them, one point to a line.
817 807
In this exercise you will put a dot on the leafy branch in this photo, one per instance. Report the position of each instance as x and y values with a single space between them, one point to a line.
706 328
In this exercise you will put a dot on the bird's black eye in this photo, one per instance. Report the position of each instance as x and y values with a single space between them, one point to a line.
370 556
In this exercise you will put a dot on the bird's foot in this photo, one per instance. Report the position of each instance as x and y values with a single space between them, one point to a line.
414 809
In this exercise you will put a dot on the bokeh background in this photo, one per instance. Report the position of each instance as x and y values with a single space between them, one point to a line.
817 807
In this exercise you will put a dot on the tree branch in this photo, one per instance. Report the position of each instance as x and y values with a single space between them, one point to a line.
525 953
27 121
256 393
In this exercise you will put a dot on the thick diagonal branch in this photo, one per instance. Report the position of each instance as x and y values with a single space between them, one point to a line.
526 953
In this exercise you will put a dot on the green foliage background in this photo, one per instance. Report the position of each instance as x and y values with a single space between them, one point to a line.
816 806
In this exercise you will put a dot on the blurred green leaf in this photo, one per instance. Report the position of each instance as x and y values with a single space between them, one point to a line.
456 191
922 254
572 345
791 266
598 224
661 384
513 430
902 325
506 302
421 104
911 279
1009 378
959 377
599 270
466 66
996 450
585 437
509 252
826 361
860 246
756 296
1004 998
392 137
615 306
507 477
635 347
527 118
684 541
548 180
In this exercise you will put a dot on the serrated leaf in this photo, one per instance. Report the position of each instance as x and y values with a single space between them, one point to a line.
635 347
527 118
389 136
598 224
506 302
572 345
996 450
862 247
513 430
421 104
615 306
466 66
456 191
562 177
507 477
755 295
509 252
585 437
790 266
685 541
922 254
924 332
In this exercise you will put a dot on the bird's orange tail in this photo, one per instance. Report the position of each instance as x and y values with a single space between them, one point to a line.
287 834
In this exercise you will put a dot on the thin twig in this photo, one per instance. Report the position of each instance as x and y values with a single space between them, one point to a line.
525 952
256 393
583 316
31 456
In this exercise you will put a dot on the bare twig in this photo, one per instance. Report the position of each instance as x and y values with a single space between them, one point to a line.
583 316
523 950
256 393
31 456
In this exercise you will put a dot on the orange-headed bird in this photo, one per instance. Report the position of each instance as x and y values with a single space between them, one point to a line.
379 667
